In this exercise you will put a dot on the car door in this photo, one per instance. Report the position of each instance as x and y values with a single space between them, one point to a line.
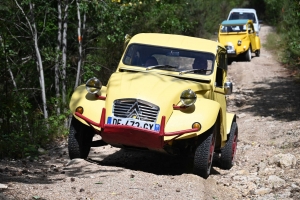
219 91
252 36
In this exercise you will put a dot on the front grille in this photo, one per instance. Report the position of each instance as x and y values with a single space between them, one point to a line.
135 108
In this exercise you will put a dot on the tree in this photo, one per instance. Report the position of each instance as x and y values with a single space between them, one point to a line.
31 24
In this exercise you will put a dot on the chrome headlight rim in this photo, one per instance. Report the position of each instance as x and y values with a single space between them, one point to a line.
188 97
93 85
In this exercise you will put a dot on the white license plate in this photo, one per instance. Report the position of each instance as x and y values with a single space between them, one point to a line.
133 122
231 51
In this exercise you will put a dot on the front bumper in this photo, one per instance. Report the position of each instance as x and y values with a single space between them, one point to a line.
133 136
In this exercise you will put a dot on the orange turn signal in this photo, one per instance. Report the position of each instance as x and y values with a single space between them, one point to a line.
197 125
79 109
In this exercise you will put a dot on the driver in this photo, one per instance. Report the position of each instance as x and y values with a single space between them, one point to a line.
151 61
200 63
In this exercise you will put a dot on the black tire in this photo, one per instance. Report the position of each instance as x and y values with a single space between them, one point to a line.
248 54
228 152
80 139
229 61
204 153
257 53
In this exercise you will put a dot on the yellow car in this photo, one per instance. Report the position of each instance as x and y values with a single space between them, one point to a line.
239 38
168 95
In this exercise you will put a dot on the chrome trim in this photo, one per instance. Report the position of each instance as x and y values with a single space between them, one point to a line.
135 108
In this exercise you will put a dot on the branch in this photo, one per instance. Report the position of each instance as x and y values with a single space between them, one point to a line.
29 89
66 10
13 35
25 17
44 25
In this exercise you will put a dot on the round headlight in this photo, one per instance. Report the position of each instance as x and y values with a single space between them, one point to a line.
93 85
188 97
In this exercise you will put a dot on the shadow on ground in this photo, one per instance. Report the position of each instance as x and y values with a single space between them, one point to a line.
150 162
278 97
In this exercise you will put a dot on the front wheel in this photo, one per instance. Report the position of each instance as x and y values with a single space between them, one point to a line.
229 150
248 54
80 139
204 153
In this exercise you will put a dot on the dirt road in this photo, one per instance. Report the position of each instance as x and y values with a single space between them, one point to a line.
266 101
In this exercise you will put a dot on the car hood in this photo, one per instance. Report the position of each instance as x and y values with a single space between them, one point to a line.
233 38
161 90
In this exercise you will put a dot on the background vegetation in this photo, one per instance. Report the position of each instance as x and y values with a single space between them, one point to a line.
48 47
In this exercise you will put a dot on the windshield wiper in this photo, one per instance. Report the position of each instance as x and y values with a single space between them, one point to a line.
193 70
160 66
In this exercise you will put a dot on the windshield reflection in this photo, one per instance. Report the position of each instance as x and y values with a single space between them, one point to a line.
163 58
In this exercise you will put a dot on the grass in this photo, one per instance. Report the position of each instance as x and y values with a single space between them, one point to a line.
278 46
275 45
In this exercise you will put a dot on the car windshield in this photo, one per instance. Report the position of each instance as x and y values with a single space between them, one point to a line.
233 28
169 59
242 15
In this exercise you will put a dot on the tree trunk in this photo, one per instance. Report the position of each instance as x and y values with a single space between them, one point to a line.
79 44
39 62
64 54
56 67
33 30
64 60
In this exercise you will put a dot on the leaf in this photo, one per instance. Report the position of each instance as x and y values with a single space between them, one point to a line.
99 183
36 197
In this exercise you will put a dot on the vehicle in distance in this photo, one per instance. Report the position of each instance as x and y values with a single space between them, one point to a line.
168 94
245 13
239 38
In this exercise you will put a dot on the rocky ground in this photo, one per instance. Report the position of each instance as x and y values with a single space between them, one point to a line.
266 101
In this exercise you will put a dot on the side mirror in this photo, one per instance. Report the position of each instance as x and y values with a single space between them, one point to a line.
228 88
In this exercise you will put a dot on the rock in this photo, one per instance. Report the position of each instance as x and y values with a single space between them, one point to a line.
242 172
262 191
241 115
261 167
275 182
267 171
283 160
42 151
74 161
2 186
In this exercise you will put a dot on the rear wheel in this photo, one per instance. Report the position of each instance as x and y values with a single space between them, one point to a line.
248 54
80 139
204 153
229 150
257 53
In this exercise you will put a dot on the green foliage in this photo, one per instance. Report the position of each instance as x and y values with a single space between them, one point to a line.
286 16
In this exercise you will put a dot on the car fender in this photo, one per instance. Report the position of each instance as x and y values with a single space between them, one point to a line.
204 111
230 118
90 103
257 41
245 45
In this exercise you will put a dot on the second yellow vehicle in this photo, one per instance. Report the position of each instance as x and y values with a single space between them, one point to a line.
239 38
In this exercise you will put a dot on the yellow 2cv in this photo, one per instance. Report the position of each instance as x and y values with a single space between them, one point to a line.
239 38
168 94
